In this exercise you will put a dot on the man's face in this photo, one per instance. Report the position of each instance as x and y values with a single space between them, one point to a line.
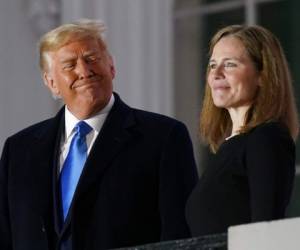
81 73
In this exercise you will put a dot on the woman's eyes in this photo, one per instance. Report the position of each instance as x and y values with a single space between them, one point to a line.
212 65
230 64
225 65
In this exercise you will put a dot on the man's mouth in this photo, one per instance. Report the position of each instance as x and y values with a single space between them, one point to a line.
88 82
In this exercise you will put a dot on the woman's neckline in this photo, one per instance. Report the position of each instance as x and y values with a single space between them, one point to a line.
231 136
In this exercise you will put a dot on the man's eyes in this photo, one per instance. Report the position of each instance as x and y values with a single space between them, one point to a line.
68 66
89 59
92 59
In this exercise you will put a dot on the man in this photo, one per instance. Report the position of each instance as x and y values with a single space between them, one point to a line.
99 174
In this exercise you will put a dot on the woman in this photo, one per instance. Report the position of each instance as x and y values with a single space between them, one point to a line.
249 120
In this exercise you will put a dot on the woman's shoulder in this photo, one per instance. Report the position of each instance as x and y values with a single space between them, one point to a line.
270 128
270 133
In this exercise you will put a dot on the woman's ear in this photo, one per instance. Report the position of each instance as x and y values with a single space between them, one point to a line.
259 80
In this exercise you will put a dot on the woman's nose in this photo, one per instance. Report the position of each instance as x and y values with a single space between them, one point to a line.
218 72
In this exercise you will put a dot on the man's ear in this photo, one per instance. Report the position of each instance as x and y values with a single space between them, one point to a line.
51 84
113 71
112 66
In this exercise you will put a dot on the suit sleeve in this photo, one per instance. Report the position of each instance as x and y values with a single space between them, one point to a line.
5 235
270 162
178 176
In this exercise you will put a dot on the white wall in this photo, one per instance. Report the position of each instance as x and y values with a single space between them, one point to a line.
23 97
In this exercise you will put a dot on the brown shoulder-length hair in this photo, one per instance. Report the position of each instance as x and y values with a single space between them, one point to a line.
274 100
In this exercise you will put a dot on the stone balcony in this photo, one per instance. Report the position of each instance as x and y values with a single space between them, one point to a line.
272 235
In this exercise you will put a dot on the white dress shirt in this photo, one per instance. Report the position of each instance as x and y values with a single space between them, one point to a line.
96 122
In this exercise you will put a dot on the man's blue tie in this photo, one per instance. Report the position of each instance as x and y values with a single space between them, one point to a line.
73 165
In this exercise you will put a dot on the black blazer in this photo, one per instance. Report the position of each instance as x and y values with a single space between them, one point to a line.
132 191
250 179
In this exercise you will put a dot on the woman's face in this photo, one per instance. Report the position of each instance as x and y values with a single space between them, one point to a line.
232 75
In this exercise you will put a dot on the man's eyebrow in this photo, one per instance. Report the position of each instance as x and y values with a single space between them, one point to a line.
90 52
68 58
71 57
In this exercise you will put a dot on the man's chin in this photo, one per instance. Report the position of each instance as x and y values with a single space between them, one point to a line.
93 102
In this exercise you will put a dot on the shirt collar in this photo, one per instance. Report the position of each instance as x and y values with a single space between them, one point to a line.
95 121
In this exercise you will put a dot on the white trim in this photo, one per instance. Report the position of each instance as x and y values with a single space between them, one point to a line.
297 169
208 9
203 9
251 12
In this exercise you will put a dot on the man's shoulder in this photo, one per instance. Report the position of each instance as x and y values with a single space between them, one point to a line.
32 129
144 116
153 117
156 121
41 127
36 130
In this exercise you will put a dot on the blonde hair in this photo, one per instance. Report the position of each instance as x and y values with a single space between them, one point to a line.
67 33
274 100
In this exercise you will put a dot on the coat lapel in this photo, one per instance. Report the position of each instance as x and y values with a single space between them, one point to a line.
43 164
113 137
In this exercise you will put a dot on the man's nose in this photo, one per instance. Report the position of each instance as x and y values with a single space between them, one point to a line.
83 69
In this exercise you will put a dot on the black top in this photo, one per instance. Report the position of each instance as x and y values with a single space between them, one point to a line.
250 180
